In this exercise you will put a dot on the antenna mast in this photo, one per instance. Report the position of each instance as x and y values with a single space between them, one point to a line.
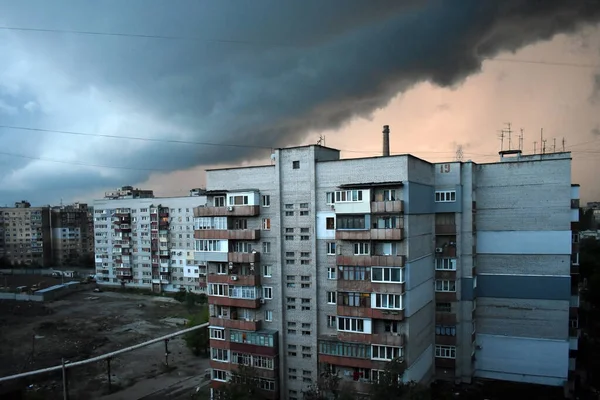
501 136
534 147
459 153
542 142
521 140
509 131
554 146
563 145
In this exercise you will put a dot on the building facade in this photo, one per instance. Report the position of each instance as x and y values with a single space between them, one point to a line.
319 264
72 235
26 236
148 243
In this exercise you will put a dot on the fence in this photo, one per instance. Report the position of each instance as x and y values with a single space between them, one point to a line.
65 366
51 293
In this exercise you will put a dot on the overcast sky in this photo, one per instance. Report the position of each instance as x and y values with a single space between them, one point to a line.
268 74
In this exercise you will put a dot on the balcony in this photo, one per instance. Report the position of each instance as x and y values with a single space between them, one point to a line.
223 234
449 363
240 324
234 302
160 281
445 296
445 229
352 362
388 339
445 340
233 279
387 207
243 258
368 312
366 286
371 234
371 260
234 211
445 252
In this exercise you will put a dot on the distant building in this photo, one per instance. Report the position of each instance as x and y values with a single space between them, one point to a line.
72 235
128 192
25 236
148 243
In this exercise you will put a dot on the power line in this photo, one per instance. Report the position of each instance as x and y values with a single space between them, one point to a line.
256 43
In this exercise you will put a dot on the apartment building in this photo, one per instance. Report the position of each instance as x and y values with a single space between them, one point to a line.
72 234
147 242
26 235
457 269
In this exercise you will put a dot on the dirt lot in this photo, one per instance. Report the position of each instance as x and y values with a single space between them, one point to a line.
86 324
13 281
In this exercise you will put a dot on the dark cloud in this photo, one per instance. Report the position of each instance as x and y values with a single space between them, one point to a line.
596 131
310 65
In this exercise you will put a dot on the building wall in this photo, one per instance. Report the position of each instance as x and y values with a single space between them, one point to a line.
27 235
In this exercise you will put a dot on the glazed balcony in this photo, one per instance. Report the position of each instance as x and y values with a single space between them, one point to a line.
243 258
389 234
366 286
234 302
445 229
387 207
388 339
371 260
234 211
227 234
235 279
445 340
160 281
240 324
352 362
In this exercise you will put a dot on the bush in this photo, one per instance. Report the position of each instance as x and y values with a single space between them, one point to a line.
198 340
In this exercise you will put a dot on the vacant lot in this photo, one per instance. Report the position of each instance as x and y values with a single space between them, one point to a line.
86 324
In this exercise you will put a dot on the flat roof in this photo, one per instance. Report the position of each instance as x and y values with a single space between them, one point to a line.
371 184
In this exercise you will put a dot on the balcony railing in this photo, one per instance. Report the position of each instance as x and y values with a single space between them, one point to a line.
229 234
371 260
241 324
233 279
234 211
370 234
385 207
243 258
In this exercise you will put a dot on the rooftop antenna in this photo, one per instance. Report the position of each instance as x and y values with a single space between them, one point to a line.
501 136
459 153
563 145
321 141
542 142
509 131
534 147
521 140
554 146
544 146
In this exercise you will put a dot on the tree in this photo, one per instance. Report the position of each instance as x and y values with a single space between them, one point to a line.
243 385
198 341
391 387
4 263
328 386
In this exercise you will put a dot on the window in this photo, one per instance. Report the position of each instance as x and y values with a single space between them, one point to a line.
266 200
387 274
304 230
305 254
266 224
347 222
289 213
443 307
446 196
211 245
218 289
240 224
240 200
268 315
445 264
391 326
354 299
331 248
445 330
304 262
330 197
445 286
267 271
217 334
295 164
289 206
330 223
268 293
266 247
389 195
221 269
331 273
219 375
354 273
362 249
304 237
289 237
331 323
303 205
575 258
387 301
241 247
346 324
219 354
386 353
331 298
387 223
304 213
575 237
445 351
290 262
219 201
289 230
289 254
348 196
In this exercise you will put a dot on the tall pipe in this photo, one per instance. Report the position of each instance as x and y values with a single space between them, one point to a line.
386 140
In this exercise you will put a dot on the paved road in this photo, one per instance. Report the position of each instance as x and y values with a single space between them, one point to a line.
161 388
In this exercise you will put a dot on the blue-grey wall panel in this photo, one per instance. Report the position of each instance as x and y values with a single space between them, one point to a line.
524 287
466 289
450 207
418 198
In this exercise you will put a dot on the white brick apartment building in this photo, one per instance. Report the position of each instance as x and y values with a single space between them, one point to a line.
147 243
459 269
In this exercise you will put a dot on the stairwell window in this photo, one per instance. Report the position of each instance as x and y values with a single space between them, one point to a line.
445 196
331 248
445 286
331 297
445 351
266 224
295 164
445 264
266 200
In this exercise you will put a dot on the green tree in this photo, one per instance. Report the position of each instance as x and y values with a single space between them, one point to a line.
4 263
243 385
390 386
328 386
198 341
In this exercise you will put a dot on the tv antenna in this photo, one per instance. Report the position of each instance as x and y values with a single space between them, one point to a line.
563 145
554 146
542 142
534 147
521 140
501 136
321 141
459 153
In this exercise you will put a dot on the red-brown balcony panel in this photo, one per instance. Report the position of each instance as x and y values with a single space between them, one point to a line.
353 235
232 302
224 234
261 372
220 344
234 211
368 261
445 296
387 234
354 286
236 324
346 361
445 363
241 280
445 274
447 252
359 312
445 340
445 318
393 315
388 339
386 207
225 366
372 234
351 337
253 349
445 229
243 258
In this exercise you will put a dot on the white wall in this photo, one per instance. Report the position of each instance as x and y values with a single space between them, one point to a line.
524 242
322 233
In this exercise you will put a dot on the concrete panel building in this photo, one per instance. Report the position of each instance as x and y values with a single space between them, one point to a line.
26 236
459 270
72 235
148 242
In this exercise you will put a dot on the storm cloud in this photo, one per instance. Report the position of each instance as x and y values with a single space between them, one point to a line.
261 73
